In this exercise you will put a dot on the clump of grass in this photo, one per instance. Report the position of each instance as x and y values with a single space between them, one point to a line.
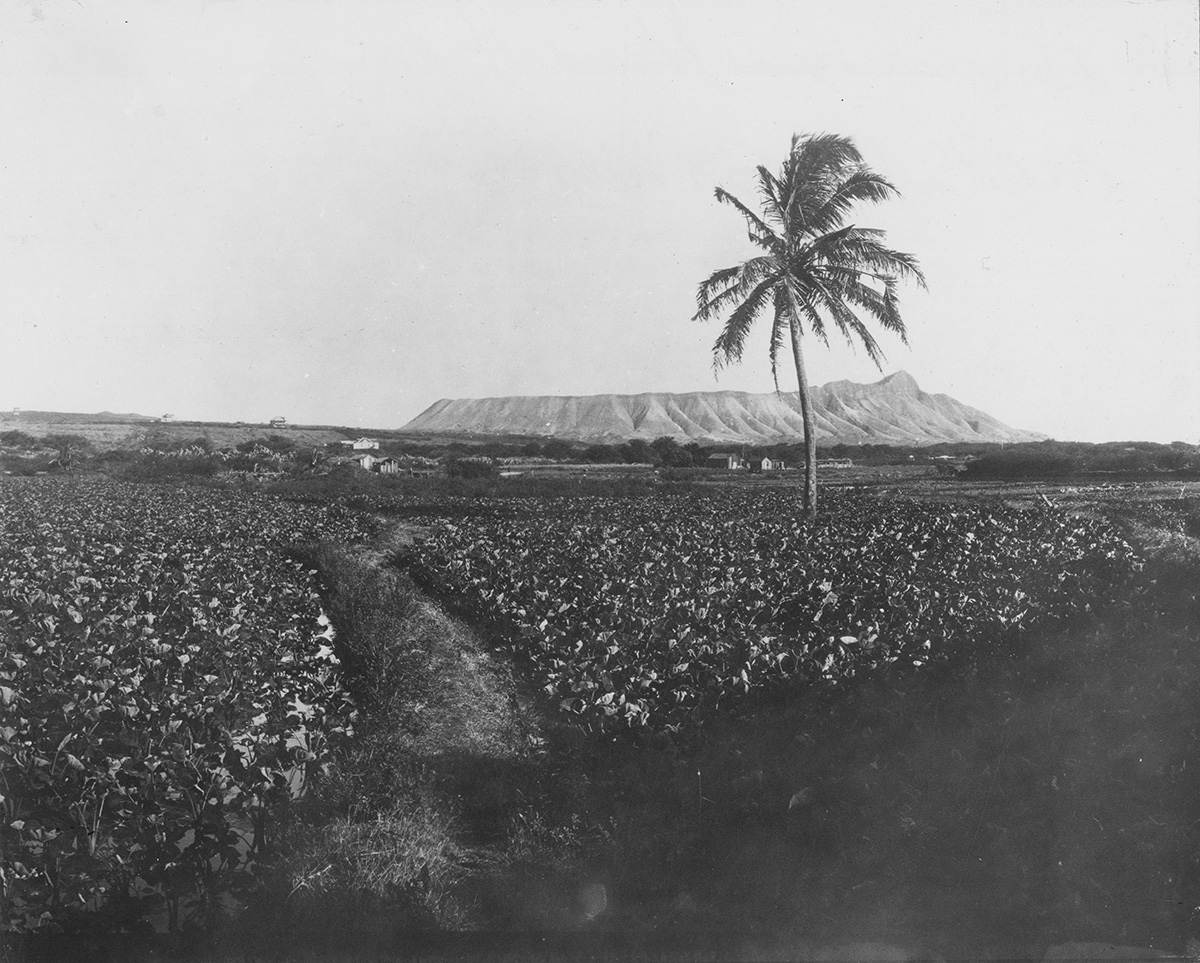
401 863
358 878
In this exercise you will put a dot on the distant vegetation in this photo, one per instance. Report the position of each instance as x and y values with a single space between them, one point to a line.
475 462
1056 459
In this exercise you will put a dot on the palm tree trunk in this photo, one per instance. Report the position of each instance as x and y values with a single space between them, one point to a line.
810 434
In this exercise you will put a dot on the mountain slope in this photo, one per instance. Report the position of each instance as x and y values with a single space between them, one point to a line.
891 411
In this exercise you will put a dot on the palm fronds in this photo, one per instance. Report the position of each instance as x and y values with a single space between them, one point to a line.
816 271
806 244
862 185
732 340
723 288
760 233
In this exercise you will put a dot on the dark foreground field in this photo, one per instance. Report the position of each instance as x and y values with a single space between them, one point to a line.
997 803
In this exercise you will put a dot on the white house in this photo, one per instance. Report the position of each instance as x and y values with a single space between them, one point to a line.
724 460
365 461
835 463
366 444
279 422
769 465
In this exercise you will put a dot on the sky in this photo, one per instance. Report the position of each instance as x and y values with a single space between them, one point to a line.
341 212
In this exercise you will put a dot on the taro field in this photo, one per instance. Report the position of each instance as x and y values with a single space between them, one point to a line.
646 613
166 689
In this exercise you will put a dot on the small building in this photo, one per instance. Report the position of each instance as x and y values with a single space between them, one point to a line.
365 444
834 463
724 460
373 463
279 422
769 464
167 418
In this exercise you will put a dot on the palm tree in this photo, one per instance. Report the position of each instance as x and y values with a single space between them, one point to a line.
813 270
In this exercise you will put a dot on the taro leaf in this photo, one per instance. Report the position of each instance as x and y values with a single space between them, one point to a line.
800 798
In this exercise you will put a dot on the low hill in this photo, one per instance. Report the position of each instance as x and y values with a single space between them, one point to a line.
19 418
105 430
892 411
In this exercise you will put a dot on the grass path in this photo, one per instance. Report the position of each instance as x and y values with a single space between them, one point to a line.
471 708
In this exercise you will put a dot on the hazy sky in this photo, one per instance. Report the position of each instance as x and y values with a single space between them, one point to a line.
342 211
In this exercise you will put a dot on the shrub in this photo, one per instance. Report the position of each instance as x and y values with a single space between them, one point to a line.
18 439
1023 464
158 468
470 468
65 441
278 443
601 455
25 465
370 608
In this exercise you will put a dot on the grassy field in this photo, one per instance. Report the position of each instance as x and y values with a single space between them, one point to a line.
992 804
